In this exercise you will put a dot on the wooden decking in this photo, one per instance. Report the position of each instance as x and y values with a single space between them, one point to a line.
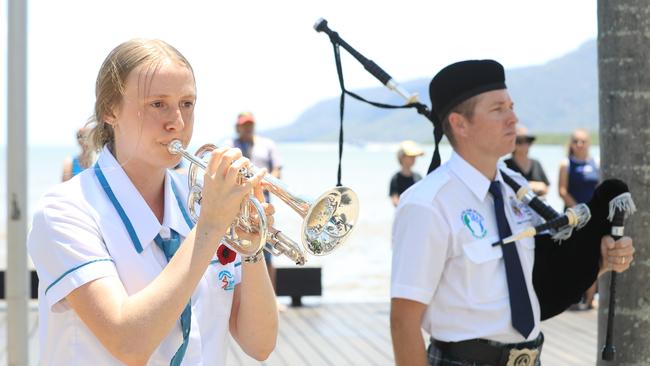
358 334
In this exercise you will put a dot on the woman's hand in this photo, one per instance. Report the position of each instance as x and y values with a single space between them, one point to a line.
223 191
254 221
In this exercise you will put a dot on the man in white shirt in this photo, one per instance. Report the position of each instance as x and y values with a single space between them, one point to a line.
475 300
263 153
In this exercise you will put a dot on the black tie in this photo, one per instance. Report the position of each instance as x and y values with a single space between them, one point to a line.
520 308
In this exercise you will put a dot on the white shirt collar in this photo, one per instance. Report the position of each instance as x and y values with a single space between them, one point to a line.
477 183
471 177
143 220
176 214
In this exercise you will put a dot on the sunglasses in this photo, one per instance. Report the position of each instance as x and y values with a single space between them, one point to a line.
577 141
524 140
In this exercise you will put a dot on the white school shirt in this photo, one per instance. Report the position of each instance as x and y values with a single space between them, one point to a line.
78 236
443 255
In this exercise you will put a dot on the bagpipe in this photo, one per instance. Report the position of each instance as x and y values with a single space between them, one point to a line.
579 251
567 262
567 246
564 269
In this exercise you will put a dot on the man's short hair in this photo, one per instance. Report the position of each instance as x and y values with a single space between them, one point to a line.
466 109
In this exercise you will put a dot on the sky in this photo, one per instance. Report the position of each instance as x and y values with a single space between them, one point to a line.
265 57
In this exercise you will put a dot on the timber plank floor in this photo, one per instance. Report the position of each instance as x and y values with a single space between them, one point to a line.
358 334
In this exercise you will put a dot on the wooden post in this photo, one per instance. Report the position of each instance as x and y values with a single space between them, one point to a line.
624 83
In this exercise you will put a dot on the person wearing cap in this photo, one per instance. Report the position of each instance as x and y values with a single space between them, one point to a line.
475 300
529 168
263 153
406 177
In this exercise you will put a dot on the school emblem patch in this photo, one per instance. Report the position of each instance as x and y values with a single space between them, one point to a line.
516 209
227 280
520 210
474 222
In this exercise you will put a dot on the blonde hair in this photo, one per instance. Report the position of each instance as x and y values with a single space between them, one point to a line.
111 81
570 152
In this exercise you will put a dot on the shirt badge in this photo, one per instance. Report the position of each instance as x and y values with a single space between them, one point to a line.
474 222
227 280
516 209
520 210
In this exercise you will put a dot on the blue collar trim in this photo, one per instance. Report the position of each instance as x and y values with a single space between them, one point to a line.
120 211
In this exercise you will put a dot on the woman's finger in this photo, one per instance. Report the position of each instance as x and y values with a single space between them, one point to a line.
215 160
269 209
258 189
227 157
233 173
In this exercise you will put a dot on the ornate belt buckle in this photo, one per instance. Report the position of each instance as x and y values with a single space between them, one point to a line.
522 357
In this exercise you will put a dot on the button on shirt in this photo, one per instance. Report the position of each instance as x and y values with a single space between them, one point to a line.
78 236
443 255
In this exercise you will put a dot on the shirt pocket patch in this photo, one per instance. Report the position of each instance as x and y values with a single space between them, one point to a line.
485 271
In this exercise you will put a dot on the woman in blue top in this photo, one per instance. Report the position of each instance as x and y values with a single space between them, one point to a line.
579 176
75 165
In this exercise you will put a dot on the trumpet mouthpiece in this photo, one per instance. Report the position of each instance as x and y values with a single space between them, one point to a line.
175 147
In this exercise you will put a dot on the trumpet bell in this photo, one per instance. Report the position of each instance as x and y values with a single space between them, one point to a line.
330 220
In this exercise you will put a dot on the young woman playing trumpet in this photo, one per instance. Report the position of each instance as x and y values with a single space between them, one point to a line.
125 275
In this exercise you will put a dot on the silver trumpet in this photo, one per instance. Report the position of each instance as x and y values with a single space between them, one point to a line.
327 221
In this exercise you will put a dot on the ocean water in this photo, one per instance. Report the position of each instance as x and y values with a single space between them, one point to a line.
360 269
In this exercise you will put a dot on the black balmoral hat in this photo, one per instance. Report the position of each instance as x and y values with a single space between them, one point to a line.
455 84
462 80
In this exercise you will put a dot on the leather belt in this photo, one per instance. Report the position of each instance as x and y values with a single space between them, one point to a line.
492 353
